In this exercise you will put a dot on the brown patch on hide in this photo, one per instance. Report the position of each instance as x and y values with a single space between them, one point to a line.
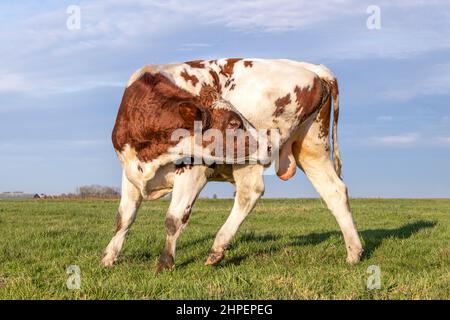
118 222
196 64
171 226
308 99
227 68
248 64
187 213
324 114
207 95
228 82
216 81
186 76
280 104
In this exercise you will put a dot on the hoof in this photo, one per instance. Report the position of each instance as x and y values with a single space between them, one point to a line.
355 257
166 262
108 260
161 267
214 258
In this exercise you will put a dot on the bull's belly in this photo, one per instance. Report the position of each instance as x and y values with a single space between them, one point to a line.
162 182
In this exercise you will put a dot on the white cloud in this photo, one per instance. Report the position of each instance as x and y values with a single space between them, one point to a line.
275 15
13 82
43 55
283 15
400 140
202 45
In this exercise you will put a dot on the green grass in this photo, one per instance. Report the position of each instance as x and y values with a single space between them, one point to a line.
286 249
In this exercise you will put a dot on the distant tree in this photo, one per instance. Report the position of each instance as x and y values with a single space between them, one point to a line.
97 191
214 196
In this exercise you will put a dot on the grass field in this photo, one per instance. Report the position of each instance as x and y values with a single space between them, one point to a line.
286 249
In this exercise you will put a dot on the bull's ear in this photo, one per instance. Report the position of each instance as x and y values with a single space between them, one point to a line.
191 112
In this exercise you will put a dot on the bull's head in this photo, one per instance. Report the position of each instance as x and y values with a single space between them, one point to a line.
221 134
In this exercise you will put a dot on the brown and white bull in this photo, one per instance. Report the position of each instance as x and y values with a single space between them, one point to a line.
293 97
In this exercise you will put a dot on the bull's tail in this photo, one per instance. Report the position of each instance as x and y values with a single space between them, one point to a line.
336 153
326 75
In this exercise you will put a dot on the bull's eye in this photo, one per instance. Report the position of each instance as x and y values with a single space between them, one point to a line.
234 124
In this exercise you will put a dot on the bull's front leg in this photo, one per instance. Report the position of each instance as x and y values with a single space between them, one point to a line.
187 186
249 188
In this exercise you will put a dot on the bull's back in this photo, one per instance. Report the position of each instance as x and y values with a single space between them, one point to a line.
270 93
275 94
258 88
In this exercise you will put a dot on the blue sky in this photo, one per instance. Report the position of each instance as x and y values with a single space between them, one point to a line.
60 88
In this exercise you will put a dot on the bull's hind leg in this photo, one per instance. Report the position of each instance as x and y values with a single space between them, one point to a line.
249 188
187 186
129 204
313 157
